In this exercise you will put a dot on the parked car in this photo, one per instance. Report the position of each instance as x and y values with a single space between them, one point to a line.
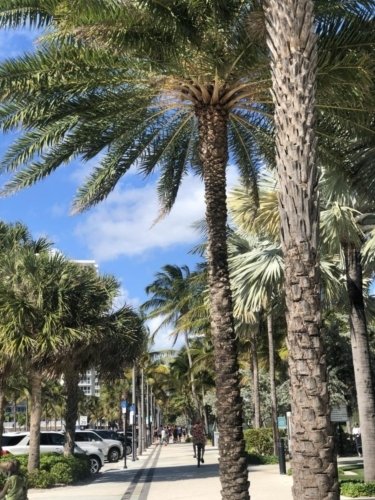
17 443
112 448
118 436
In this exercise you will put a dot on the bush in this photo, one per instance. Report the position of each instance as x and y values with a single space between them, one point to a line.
40 479
188 439
62 473
259 441
357 489
54 469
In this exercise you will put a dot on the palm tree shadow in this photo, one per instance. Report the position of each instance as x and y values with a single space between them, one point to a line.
161 474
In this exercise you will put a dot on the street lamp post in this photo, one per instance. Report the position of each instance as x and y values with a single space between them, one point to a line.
134 441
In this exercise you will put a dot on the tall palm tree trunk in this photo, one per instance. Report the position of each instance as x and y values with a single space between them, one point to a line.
255 375
35 418
213 152
71 380
271 362
361 358
192 379
292 44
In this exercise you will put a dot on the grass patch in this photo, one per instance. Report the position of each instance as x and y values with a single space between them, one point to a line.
356 473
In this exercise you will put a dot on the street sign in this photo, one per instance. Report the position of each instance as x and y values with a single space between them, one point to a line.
83 420
123 405
281 422
131 415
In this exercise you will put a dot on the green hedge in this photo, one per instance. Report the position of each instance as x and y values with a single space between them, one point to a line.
356 489
54 469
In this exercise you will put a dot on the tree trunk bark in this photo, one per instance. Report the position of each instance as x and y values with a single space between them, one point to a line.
255 375
192 380
35 418
293 47
213 152
361 358
71 380
271 362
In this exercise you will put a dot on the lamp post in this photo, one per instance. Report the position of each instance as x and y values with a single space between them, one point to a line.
134 441
123 409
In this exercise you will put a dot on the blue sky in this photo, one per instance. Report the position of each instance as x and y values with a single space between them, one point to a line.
119 233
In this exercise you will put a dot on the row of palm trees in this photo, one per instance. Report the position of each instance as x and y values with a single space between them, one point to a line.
257 278
57 319
172 87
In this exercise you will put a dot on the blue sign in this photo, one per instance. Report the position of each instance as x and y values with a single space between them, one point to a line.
124 403
281 422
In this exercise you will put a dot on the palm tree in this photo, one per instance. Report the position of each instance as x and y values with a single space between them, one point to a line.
347 227
293 46
31 307
171 296
192 88
108 339
13 238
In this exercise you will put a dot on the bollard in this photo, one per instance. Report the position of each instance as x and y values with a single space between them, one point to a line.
281 454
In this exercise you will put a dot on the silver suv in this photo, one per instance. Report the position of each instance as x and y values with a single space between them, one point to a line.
112 448
17 443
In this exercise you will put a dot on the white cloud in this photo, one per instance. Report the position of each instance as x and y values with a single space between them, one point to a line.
123 224
163 339
125 298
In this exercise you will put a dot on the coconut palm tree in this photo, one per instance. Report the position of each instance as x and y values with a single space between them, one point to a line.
191 88
171 294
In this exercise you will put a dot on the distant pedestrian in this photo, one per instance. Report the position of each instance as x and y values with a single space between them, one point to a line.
15 487
179 434
164 436
199 438
356 432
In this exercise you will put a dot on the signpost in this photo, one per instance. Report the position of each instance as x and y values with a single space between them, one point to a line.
124 405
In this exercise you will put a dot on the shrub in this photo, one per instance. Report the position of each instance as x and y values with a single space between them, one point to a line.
40 479
188 439
357 489
63 473
259 441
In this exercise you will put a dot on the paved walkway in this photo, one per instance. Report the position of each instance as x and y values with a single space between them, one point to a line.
169 473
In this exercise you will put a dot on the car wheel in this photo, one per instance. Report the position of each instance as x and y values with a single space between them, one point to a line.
128 449
114 455
95 464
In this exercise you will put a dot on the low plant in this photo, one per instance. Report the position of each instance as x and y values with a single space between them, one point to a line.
54 469
40 479
357 489
259 441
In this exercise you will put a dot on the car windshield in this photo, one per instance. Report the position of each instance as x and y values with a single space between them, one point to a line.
107 434
87 436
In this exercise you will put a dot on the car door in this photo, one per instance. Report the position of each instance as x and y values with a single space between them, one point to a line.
51 443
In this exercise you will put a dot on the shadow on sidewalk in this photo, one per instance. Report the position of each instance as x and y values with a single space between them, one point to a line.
163 474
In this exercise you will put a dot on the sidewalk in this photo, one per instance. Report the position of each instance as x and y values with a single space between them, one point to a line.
169 473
